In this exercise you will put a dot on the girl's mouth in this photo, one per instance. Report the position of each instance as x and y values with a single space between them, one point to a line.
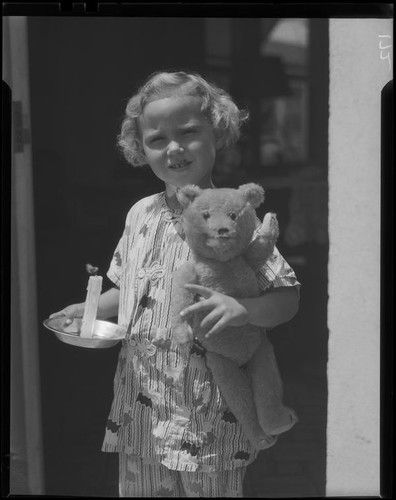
179 165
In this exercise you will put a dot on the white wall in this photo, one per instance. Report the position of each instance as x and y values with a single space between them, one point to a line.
26 454
357 75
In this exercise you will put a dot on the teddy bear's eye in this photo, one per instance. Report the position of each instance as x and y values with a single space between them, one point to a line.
205 215
232 215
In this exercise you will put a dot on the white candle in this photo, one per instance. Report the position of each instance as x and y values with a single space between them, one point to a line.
91 306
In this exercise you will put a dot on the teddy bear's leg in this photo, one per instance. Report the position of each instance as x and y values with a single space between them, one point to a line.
233 383
266 384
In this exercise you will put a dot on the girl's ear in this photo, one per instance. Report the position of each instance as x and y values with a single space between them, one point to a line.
253 193
187 194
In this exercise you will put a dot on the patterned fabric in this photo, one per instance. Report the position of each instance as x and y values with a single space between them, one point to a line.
140 478
166 405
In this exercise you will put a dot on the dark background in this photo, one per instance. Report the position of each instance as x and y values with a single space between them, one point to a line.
82 72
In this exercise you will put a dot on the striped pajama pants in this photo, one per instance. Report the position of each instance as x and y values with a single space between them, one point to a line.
146 478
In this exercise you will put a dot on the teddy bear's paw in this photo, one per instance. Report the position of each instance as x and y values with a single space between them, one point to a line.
280 422
270 226
265 441
182 334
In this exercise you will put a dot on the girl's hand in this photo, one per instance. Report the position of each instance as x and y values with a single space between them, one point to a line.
70 312
222 310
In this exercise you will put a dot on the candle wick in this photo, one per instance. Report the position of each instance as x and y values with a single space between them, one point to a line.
92 269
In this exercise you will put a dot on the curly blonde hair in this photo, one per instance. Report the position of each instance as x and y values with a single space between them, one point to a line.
217 105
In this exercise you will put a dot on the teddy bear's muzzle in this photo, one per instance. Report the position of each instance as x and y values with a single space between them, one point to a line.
223 232
219 239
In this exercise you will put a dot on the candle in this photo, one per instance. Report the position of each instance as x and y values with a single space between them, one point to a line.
94 290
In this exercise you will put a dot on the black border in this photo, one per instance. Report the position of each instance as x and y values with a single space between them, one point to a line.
5 338
387 292
218 9
201 9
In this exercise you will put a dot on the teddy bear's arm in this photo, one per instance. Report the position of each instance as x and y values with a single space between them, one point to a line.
182 298
264 243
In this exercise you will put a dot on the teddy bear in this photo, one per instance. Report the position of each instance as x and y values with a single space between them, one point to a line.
228 246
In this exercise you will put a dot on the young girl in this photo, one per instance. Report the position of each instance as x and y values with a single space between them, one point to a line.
169 423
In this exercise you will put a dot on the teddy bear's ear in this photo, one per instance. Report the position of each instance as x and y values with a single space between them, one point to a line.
253 193
187 194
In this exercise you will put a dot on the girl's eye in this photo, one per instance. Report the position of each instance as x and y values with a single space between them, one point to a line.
232 215
189 131
205 215
156 140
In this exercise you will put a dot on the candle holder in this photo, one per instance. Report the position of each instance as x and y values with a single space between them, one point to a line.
105 333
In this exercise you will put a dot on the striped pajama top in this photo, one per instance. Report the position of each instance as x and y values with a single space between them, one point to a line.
165 404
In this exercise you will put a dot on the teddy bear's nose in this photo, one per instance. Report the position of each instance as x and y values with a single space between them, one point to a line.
223 231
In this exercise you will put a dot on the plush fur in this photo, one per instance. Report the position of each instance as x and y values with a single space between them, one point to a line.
219 225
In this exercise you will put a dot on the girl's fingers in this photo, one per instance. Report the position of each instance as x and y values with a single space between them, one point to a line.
62 314
217 328
58 314
211 318
69 313
199 306
201 290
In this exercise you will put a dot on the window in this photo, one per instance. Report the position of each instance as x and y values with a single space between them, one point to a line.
277 68
284 100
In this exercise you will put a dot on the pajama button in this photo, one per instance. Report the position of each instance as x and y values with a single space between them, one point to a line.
151 350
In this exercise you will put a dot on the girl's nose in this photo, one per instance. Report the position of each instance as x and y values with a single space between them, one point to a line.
174 148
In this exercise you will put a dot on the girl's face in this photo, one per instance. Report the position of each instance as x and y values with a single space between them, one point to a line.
178 142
